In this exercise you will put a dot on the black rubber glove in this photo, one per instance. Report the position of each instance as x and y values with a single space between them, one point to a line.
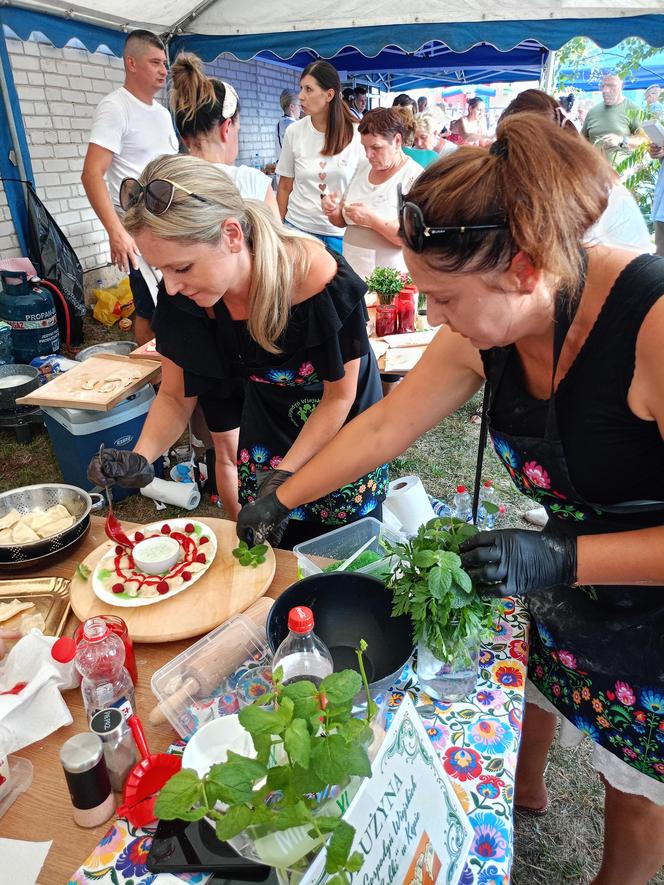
128 469
271 480
263 520
514 562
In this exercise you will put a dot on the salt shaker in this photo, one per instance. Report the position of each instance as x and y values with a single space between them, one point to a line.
82 758
119 746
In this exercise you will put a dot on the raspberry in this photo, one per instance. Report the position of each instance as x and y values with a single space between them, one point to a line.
186 576
202 541
189 528
200 557
165 529
162 587
118 588
139 536
119 550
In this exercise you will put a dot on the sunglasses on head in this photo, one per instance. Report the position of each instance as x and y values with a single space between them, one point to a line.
158 194
417 234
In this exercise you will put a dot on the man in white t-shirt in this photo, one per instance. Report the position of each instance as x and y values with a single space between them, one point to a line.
129 129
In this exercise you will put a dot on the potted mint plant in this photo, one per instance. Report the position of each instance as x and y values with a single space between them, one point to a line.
386 283
283 805
450 619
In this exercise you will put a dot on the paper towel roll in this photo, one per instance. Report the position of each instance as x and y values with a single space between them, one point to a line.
179 494
408 501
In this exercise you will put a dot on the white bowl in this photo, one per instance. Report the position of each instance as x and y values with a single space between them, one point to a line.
211 743
156 555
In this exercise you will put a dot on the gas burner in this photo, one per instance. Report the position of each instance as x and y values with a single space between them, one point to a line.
22 420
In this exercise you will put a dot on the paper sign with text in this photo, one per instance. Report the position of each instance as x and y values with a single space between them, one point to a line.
409 824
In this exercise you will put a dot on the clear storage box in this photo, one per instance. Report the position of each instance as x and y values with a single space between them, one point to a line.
223 671
328 551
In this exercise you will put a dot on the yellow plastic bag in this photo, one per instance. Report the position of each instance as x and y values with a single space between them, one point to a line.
113 303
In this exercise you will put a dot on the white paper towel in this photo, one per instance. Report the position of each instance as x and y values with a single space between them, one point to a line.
408 501
22 861
179 494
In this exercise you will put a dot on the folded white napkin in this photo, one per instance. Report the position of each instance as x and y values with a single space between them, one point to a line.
22 861
179 494
31 706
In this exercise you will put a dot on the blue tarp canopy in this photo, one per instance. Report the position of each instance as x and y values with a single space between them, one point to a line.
589 77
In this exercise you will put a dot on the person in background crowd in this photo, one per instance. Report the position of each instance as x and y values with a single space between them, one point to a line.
207 116
129 128
290 109
657 153
422 104
570 342
471 129
654 105
403 100
582 108
245 298
428 138
612 125
369 205
319 155
359 105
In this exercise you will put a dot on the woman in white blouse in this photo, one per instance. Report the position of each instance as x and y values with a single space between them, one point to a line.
369 204
319 155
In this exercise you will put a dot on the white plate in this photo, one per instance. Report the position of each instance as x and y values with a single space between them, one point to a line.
211 743
127 602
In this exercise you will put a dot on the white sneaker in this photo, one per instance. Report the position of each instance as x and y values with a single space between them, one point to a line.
537 516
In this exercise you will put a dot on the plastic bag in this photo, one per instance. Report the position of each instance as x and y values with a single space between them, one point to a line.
113 303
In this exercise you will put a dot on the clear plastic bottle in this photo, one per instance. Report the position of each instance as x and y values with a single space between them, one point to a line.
302 655
257 161
463 505
100 656
487 496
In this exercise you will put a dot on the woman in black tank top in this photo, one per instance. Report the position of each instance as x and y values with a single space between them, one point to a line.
570 344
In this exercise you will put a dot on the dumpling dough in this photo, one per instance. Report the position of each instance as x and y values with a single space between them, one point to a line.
54 528
9 519
36 520
59 511
23 534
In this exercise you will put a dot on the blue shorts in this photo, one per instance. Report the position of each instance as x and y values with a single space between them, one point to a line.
336 244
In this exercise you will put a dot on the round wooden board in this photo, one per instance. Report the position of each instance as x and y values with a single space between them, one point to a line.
225 589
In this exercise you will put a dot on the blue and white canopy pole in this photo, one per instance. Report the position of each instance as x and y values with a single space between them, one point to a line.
548 75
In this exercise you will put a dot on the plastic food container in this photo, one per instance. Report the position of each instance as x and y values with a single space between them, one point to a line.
200 684
323 553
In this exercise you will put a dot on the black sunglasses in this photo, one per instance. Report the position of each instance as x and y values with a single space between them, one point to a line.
416 233
158 194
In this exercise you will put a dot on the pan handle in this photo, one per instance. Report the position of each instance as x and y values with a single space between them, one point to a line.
139 735
97 501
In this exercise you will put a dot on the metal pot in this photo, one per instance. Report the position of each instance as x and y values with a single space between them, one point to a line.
9 395
120 348
40 497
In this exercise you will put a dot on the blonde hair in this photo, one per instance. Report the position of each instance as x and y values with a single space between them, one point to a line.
425 123
279 256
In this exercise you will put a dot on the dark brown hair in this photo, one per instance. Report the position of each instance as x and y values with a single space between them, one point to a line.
142 38
387 122
548 187
339 130
196 100
537 102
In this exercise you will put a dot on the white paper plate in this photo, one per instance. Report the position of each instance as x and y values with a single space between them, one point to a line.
123 601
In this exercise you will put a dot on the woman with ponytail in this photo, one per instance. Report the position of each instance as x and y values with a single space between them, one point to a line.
568 337
245 299
319 155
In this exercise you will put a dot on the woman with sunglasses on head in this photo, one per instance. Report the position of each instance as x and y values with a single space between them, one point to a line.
243 298
569 339
319 155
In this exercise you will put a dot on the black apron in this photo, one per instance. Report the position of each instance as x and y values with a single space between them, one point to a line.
596 652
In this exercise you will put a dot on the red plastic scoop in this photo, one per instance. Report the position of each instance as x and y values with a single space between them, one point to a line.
113 526
145 779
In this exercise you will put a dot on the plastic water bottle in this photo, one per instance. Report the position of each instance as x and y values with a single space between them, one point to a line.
257 161
302 655
100 657
487 495
463 506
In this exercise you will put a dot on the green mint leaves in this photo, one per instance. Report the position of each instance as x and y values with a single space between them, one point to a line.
253 556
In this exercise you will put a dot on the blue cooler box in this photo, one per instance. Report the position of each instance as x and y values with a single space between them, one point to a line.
76 435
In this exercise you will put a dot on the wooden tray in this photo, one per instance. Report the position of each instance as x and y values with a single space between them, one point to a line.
147 351
225 589
50 597
66 391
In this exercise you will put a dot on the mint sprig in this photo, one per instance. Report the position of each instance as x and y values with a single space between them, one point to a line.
250 556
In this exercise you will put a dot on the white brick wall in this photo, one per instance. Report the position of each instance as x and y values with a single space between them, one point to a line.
59 89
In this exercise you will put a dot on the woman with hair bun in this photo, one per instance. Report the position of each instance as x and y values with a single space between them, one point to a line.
207 116
369 205
244 299
569 339
319 155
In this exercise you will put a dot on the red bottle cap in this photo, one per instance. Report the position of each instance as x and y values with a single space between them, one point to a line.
301 619
64 650
461 489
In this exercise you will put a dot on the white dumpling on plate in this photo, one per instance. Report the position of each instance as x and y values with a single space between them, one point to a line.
23 534
9 519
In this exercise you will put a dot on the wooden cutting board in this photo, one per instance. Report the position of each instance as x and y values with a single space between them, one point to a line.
225 589
147 351
111 378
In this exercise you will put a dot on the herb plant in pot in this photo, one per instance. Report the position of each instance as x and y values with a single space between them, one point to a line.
386 282
450 619
285 803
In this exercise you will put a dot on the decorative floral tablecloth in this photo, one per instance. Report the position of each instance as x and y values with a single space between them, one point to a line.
477 739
